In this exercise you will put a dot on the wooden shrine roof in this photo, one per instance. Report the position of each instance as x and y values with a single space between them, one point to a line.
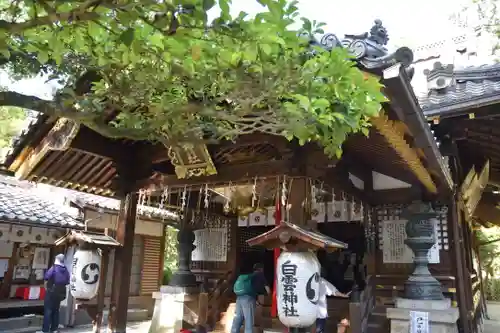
62 153
295 234
92 238
463 105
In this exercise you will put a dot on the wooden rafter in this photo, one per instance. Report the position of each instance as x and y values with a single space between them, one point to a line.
59 138
394 133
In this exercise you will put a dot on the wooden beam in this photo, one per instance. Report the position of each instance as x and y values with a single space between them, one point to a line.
392 132
459 263
229 173
92 143
338 178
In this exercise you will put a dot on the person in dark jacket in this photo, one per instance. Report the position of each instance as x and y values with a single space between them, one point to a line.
56 280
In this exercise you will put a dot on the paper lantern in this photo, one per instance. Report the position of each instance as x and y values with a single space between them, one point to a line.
297 288
85 274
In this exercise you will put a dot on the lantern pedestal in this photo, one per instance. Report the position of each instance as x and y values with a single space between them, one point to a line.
175 308
442 317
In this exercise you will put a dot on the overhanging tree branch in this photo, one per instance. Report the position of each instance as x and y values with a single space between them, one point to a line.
76 15
55 109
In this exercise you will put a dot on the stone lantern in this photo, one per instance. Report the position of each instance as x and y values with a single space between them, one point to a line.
421 237
423 297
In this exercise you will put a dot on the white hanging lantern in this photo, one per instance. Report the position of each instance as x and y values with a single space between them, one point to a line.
85 274
297 288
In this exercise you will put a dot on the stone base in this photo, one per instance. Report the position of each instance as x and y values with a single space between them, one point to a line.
442 317
175 308
413 304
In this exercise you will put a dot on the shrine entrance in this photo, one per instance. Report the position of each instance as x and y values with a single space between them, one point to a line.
248 256
345 267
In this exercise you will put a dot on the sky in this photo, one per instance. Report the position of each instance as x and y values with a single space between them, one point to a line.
410 23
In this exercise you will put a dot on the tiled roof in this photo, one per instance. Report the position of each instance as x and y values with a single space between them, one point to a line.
97 201
471 87
459 93
23 205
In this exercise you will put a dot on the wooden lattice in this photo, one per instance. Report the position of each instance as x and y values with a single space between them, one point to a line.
248 233
248 153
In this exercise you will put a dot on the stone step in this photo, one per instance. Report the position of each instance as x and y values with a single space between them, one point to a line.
33 322
133 314
376 328
23 330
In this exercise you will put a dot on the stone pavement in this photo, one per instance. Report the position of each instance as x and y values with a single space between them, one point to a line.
493 325
139 327
490 326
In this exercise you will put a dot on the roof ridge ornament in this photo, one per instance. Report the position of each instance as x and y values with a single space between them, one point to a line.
369 49
439 77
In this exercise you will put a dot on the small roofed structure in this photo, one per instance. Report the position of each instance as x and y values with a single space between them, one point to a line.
93 239
290 236
103 243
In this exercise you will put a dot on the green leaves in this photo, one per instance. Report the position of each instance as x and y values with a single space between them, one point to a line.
170 72
127 37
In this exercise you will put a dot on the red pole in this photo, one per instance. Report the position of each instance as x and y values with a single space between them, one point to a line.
277 221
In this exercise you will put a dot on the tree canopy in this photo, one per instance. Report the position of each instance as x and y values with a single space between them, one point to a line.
11 120
160 70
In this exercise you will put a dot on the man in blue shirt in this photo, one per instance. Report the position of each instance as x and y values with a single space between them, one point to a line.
56 280
247 287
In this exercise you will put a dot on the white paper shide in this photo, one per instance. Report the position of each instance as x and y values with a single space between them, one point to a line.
85 274
297 288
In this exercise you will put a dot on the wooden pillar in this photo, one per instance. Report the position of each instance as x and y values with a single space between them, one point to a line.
162 255
459 269
101 291
467 271
480 273
298 197
125 231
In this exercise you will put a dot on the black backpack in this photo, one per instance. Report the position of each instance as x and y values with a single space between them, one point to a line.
56 290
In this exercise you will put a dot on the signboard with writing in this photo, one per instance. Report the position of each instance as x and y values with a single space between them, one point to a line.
419 322
211 245
395 251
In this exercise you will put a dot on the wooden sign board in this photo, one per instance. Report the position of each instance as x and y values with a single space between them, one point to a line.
395 251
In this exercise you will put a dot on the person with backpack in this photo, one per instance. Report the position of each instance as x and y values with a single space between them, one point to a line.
247 287
56 280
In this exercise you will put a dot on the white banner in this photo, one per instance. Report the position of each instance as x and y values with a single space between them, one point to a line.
395 251
419 322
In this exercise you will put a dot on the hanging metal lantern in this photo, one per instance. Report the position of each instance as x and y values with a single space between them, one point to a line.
85 274
297 288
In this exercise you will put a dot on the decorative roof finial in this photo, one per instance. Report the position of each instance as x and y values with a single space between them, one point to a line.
378 33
